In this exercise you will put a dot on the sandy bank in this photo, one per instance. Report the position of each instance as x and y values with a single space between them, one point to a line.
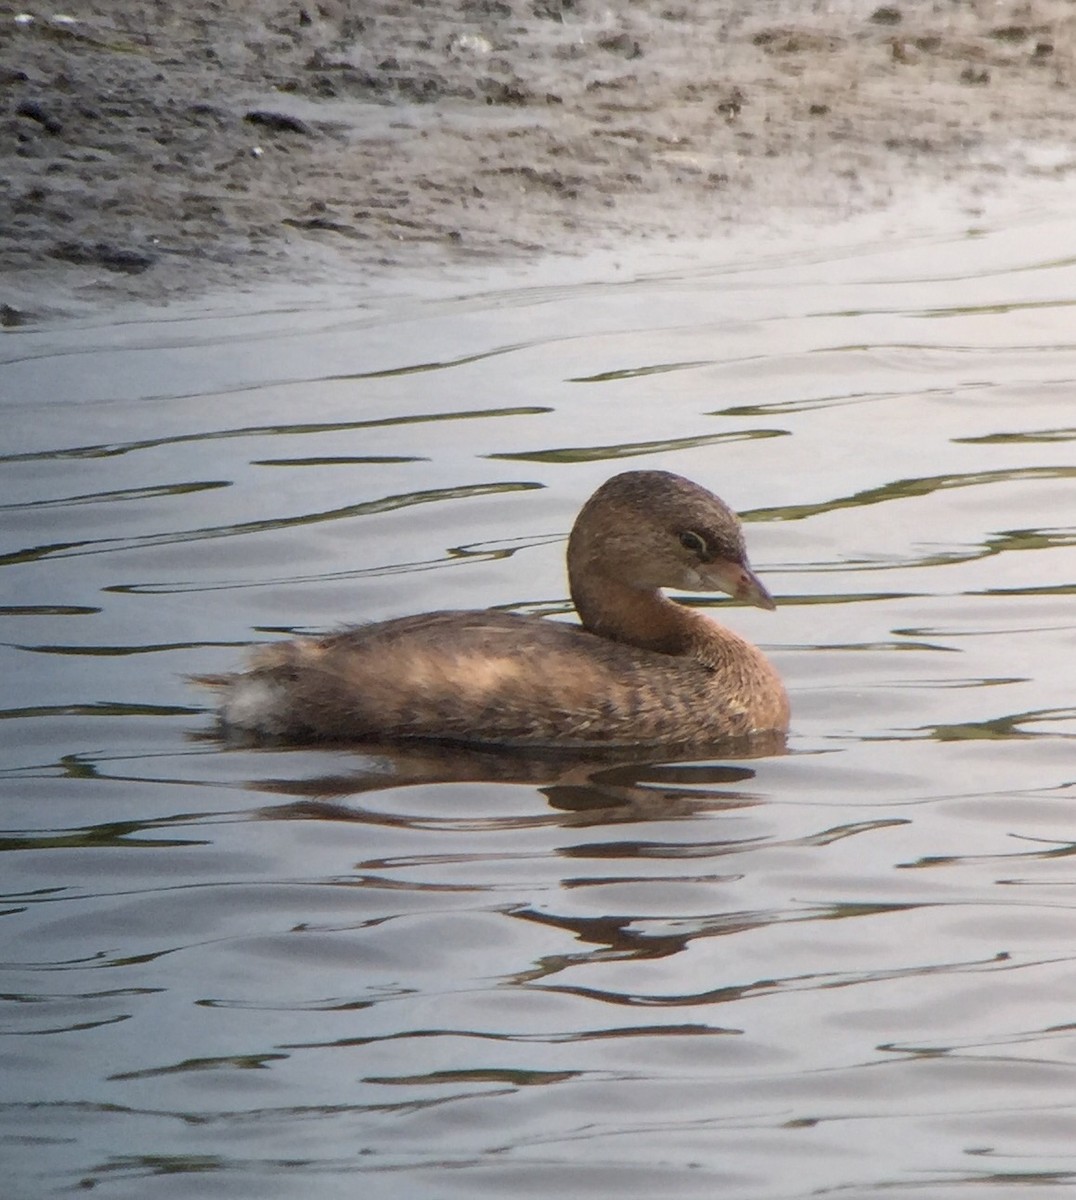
151 150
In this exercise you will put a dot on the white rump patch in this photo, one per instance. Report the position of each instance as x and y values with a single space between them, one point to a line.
255 705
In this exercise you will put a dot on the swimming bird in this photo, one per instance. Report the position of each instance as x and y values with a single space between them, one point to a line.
639 669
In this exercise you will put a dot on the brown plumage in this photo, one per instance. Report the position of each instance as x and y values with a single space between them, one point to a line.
640 670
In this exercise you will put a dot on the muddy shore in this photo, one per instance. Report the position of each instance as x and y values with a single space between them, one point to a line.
153 150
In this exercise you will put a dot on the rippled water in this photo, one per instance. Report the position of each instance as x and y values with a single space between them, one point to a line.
849 970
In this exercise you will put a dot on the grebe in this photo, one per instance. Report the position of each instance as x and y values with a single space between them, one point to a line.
640 669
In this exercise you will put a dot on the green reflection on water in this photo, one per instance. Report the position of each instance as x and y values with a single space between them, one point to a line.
1031 539
774 407
904 489
1001 728
637 372
160 1164
363 508
103 708
520 1078
1023 438
124 651
112 835
1000 543
49 610
1057 589
237 1062
574 454
139 493
110 450
354 460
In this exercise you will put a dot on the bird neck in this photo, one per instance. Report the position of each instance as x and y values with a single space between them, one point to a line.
641 617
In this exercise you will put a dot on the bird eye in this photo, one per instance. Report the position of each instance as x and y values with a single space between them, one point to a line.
694 542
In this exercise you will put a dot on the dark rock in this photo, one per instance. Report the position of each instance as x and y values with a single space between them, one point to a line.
206 113
733 103
1010 33
101 254
12 317
324 223
503 93
37 112
552 180
552 10
886 15
277 122
623 44
487 8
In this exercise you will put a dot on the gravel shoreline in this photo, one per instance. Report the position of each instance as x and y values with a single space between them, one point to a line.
151 151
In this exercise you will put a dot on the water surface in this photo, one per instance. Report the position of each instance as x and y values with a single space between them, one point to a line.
847 970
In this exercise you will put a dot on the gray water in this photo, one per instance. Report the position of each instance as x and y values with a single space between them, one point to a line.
847 970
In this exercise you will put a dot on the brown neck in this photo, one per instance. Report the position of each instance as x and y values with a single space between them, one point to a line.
638 616
648 620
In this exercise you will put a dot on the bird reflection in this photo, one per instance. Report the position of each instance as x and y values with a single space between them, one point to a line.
591 788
